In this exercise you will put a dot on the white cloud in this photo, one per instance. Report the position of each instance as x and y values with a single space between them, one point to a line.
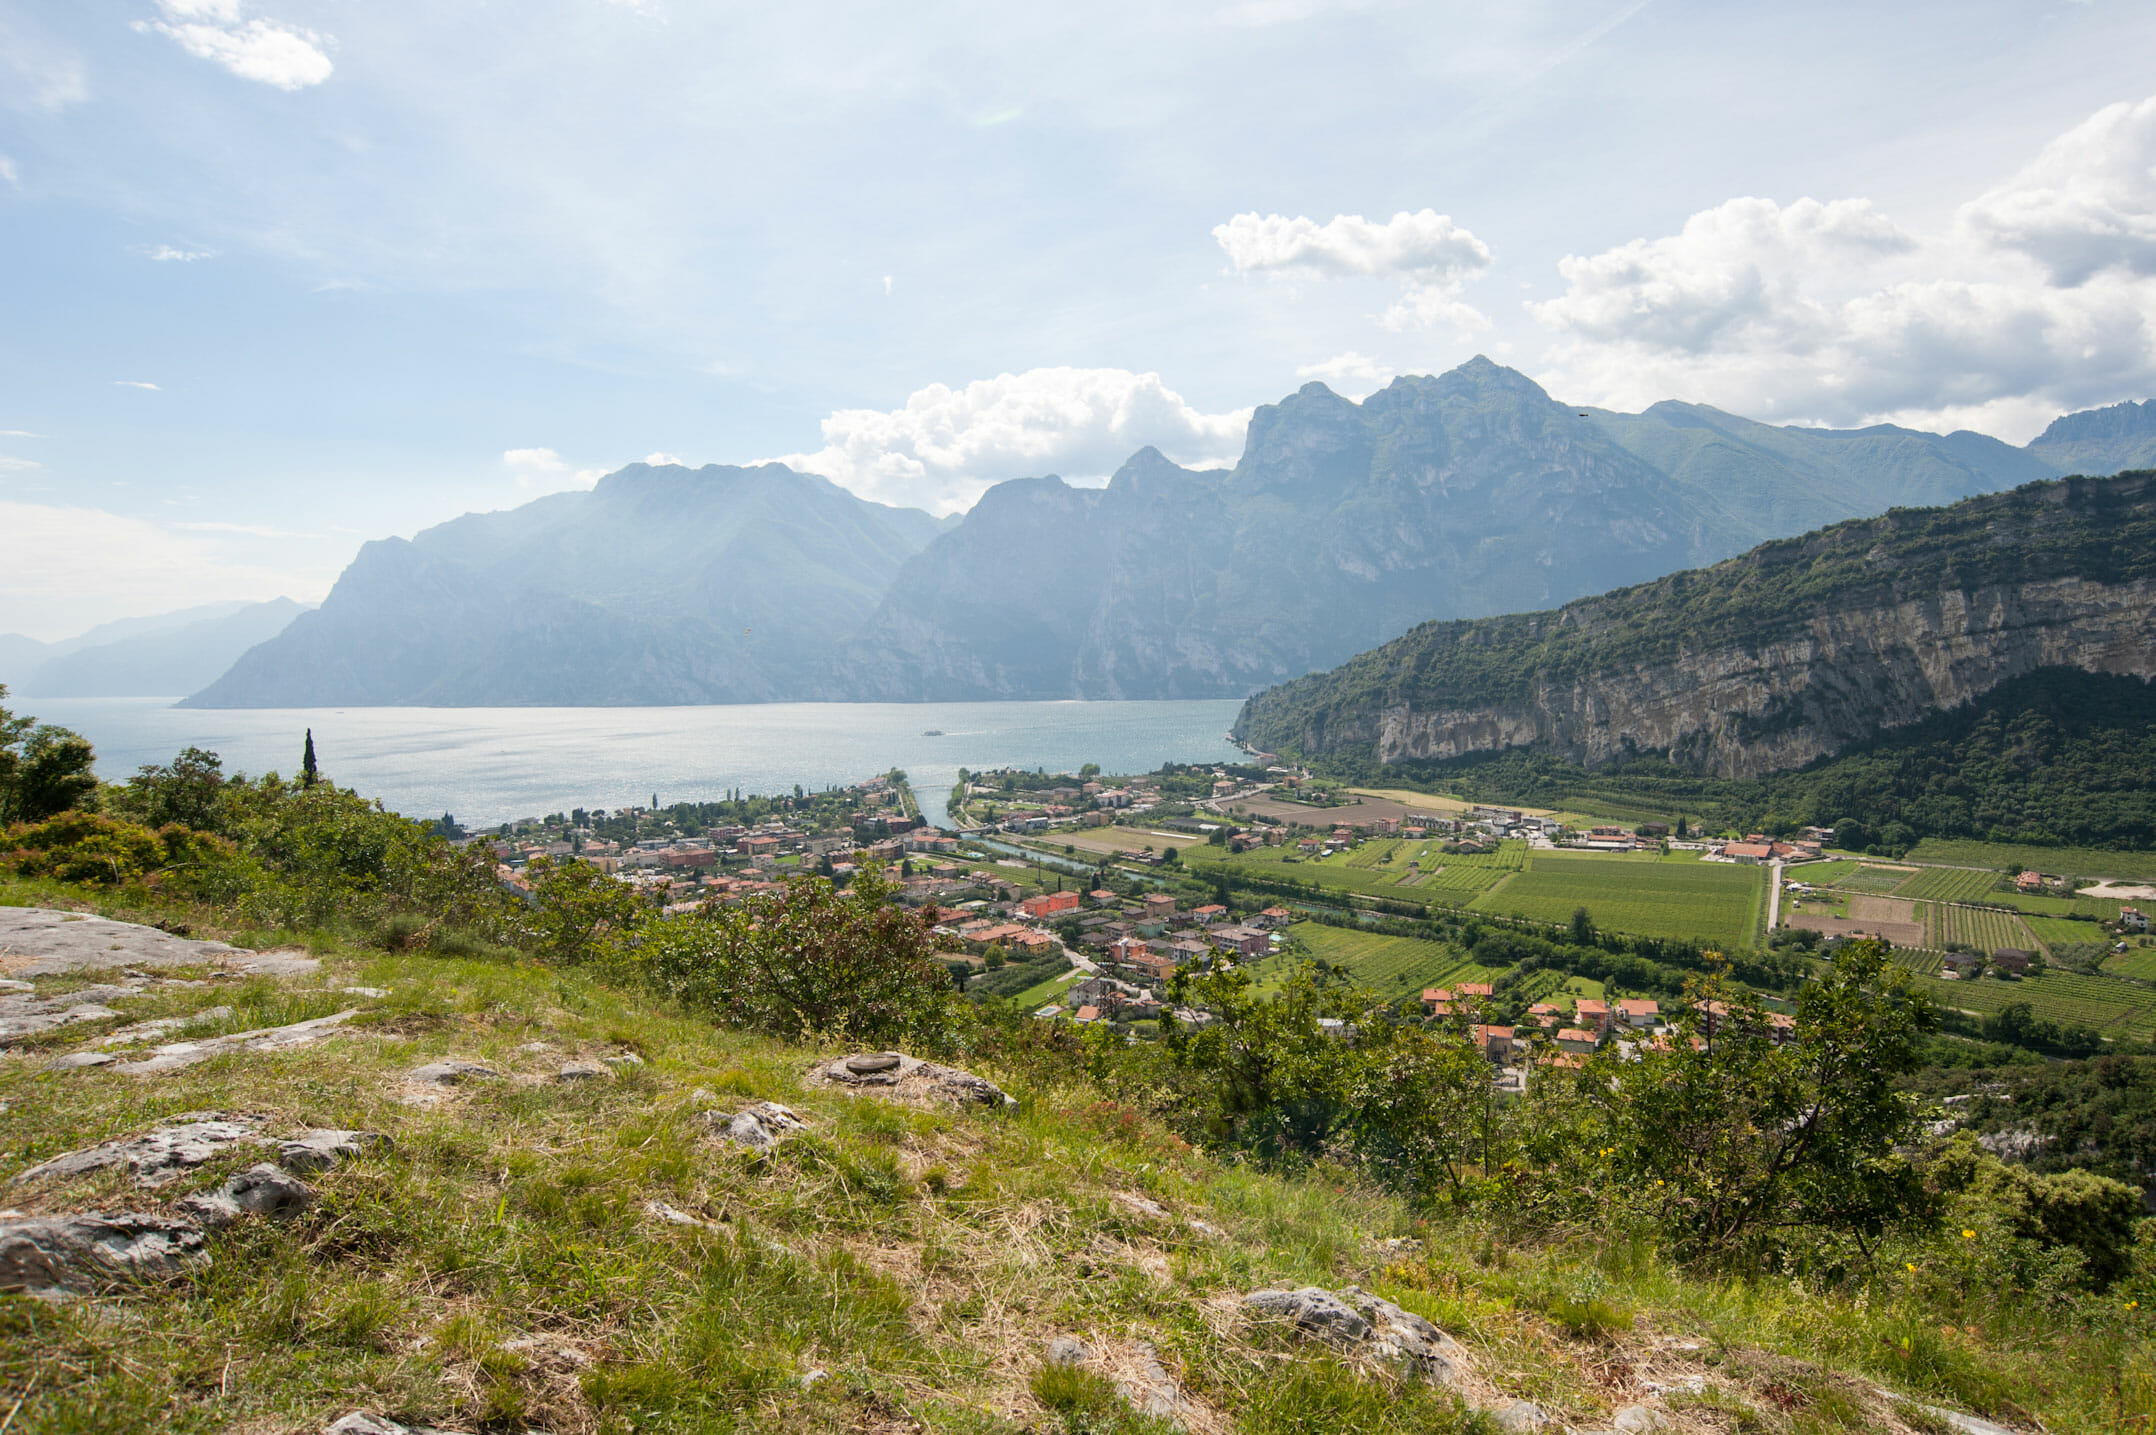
2039 297
262 50
244 530
142 567
11 464
541 470
166 254
1350 373
1433 255
19 433
37 72
2087 203
947 446
664 460
1424 245
9 173
136 384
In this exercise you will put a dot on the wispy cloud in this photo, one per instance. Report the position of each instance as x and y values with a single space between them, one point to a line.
19 433
12 464
166 254
541 470
265 51
245 530
137 384
9 173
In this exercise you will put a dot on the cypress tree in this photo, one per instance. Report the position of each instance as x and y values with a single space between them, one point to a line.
309 774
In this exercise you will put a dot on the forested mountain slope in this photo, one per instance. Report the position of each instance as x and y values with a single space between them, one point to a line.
1797 650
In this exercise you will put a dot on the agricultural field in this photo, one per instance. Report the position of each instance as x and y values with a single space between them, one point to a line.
1868 878
1950 884
1364 870
1710 901
1389 966
1923 961
1980 927
2062 931
1821 874
2098 909
2066 861
2140 964
1097 841
2115 1008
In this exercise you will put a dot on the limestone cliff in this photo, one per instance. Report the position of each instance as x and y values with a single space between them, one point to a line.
1793 652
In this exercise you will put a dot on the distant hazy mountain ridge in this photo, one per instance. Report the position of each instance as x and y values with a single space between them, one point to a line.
163 656
660 585
1342 526
1799 649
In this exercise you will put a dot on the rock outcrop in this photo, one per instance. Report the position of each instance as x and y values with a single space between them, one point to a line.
1795 651
910 1079
61 1254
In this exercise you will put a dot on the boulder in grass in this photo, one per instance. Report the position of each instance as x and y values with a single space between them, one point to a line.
262 1190
1369 1326
758 1127
156 1156
910 1079
51 1255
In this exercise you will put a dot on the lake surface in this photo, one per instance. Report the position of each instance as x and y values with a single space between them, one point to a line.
492 765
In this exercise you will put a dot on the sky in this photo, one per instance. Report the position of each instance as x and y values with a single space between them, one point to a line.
281 276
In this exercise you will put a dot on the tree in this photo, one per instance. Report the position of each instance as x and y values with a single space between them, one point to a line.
1583 928
309 772
1737 1135
188 790
1089 770
44 769
995 957
575 907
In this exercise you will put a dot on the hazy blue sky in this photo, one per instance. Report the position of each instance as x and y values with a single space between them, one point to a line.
282 275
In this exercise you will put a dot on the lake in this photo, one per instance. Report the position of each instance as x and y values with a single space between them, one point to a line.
492 765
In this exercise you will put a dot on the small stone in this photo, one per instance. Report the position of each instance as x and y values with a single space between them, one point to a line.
361 1423
1203 1228
1635 1420
626 1060
449 1073
548 1350
878 1061
319 1150
1142 1206
1519 1416
76 1061
757 1127
675 1216
579 1071
704 1096
813 1377
1068 1350
262 1190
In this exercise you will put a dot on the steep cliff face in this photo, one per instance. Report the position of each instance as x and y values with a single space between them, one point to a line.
1843 635
1740 711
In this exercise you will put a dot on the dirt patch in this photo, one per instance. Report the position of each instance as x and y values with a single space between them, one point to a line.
1882 909
1900 934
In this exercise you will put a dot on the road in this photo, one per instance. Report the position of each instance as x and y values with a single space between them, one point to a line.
1774 896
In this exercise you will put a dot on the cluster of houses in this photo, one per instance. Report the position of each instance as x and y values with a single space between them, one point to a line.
1553 1035
1756 847
1077 804
1137 943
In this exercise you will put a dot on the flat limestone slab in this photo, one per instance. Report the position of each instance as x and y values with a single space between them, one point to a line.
40 942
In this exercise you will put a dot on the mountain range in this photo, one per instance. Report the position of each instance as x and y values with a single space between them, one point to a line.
1342 526
1798 650
158 656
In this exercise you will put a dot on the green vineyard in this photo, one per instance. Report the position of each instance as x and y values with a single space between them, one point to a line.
1977 927
2114 1008
1949 884
1389 966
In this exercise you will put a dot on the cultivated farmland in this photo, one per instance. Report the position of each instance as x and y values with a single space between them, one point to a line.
2139 963
1873 879
1710 901
1949 884
1985 930
1389 966
2069 861
2114 1008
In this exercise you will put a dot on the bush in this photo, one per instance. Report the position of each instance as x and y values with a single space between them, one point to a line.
808 963
105 851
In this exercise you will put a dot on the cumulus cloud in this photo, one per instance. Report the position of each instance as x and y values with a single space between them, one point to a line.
261 50
166 254
665 460
1434 256
1349 373
2087 203
142 567
541 470
946 446
2039 296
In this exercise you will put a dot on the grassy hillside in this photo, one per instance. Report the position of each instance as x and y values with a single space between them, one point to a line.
887 1269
